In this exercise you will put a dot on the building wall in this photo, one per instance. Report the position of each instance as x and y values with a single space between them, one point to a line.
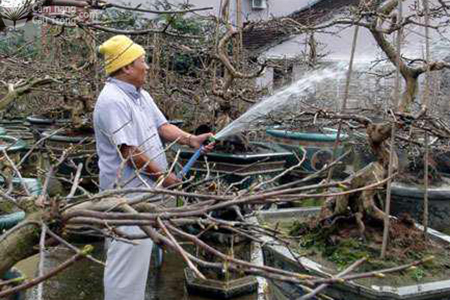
275 8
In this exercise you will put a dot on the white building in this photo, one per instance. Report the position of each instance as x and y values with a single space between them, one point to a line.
251 10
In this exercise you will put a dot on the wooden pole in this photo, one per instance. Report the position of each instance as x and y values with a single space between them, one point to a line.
238 51
344 102
387 208
425 200
426 99
239 25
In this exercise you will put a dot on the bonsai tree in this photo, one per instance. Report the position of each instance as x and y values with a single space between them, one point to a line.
363 205
50 218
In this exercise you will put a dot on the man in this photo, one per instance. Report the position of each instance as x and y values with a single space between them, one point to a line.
129 127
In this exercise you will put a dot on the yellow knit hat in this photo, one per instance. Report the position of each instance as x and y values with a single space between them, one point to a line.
119 51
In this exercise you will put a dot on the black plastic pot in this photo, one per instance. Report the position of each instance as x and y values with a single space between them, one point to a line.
85 153
442 162
11 122
16 149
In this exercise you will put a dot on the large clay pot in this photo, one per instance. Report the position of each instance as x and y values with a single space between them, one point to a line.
269 161
39 124
318 147
13 146
409 198
83 142
16 149
82 281
277 255
21 132
9 220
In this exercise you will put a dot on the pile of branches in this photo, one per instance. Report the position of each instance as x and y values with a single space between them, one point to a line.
105 213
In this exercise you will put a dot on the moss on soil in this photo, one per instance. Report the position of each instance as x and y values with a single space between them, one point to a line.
337 250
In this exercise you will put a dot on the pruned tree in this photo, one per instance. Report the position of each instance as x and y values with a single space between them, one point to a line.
29 9
383 21
49 217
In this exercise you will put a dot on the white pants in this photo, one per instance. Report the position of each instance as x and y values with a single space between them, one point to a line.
127 268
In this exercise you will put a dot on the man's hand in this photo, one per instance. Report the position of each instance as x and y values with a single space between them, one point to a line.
172 179
196 141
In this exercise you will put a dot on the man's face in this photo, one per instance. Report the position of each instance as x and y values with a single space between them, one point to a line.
137 71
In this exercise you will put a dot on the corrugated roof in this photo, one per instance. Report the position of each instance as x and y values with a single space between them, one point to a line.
265 35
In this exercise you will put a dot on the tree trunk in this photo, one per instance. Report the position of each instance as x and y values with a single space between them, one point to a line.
410 91
410 75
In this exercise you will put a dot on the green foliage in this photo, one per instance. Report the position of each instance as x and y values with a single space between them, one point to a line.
181 24
124 19
297 228
346 253
418 274
183 63
16 43
342 252
311 239
324 243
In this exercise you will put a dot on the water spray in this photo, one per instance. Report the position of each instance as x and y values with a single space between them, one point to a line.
279 101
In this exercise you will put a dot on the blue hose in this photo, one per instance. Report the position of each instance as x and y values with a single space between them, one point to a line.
191 162
194 158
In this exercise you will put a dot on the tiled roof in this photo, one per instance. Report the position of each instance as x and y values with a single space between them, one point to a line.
260 37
